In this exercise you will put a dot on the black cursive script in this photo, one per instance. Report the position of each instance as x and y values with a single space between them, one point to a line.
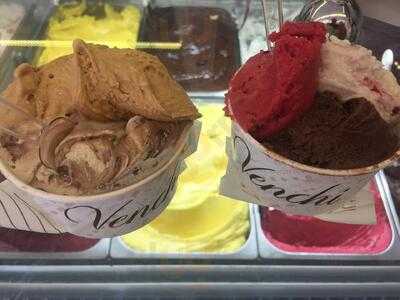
259 180
114 220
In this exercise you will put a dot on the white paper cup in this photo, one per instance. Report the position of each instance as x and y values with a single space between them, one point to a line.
269 179
97 216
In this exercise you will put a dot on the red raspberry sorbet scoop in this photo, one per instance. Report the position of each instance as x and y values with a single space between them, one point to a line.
274 88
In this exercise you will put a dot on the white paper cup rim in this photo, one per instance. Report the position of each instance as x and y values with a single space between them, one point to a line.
321 171
4 169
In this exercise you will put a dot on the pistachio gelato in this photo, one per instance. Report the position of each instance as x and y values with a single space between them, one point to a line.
100 119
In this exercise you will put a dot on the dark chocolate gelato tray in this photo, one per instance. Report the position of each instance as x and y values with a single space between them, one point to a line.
208 31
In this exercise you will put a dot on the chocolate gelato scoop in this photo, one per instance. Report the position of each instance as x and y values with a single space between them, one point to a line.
337 135
21 155
109 117
90 157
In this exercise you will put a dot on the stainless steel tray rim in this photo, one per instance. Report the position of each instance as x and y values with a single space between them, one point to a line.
386 189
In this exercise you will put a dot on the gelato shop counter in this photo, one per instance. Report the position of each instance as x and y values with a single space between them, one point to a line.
157 149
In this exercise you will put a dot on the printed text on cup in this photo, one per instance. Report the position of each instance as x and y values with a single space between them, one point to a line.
121 216
325 196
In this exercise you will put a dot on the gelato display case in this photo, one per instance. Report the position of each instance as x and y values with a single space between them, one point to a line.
195 241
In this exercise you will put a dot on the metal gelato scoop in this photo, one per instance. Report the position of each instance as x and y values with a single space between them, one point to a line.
342 17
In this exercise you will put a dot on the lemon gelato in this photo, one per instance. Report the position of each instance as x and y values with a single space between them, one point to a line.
198 218
118 28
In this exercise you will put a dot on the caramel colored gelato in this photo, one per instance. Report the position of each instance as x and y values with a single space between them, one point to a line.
100 119
110 78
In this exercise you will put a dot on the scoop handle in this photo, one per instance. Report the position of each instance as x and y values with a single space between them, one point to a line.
266 19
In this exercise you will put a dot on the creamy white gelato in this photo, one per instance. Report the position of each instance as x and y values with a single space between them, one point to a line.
351 71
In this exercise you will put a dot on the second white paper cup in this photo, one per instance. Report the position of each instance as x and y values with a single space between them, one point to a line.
269 179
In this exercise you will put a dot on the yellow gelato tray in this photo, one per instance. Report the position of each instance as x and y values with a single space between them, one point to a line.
64 22
248 251
116 24
198 223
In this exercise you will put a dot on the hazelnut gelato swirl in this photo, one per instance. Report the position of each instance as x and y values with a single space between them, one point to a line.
110 117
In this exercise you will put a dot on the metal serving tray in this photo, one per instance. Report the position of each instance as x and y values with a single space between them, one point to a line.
98 251
268 251
234 8
247 252
386 189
